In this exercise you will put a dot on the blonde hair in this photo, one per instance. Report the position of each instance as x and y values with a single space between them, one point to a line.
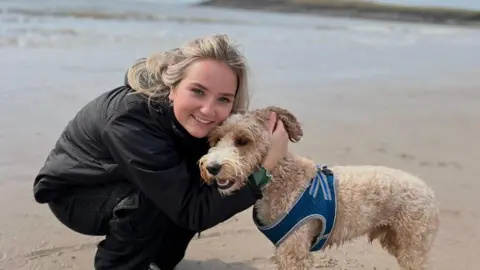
156 75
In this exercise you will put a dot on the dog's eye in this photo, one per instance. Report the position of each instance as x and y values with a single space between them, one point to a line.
241 142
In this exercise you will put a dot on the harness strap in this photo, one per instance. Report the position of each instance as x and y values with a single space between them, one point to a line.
317 201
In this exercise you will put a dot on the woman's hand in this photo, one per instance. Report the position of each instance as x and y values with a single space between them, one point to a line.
278 142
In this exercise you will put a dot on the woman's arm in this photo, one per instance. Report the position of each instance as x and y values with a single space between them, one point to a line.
146 156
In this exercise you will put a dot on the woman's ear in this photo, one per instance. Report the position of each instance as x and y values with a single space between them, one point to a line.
171 94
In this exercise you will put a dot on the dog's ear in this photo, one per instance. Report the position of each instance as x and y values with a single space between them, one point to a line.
292 126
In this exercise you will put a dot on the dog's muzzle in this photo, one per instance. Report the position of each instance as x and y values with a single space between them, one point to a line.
224 184
214 168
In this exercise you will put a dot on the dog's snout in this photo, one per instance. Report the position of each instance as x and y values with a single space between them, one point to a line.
214 168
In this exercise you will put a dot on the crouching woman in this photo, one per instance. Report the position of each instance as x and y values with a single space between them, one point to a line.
125 167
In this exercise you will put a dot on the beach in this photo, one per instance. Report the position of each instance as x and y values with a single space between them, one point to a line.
397 94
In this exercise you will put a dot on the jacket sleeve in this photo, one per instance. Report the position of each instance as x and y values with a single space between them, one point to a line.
148 159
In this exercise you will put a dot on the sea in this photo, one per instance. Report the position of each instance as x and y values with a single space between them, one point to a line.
463 4
56 55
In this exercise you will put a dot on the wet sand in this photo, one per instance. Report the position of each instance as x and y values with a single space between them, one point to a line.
391 94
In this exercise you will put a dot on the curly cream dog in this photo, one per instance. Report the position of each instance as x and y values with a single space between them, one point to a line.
390 205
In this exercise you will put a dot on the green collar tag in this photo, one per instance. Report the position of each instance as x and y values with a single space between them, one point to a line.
261 177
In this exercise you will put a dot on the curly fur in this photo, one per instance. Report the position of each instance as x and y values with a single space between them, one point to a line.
392 206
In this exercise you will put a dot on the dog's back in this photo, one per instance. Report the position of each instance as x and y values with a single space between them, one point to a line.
391 205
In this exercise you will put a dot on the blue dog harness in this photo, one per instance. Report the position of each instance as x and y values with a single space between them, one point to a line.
317 201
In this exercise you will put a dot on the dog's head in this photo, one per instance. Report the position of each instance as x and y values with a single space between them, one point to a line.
240 144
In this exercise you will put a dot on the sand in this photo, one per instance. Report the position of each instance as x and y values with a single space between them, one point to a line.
429 131
366 92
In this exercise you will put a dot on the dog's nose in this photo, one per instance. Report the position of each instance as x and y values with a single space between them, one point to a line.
214 168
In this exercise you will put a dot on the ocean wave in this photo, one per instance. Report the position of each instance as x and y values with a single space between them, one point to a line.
101 15
207 18
34 27
28 27
67 38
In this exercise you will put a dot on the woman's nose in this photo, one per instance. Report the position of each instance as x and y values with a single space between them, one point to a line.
208 109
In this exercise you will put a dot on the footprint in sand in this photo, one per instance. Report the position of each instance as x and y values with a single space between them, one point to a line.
57 250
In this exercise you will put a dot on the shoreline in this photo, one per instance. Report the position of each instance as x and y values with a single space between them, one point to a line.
359 10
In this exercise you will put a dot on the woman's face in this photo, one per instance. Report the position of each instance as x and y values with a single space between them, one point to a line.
204 98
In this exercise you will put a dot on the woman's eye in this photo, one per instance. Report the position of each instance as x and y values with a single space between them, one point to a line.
224 100
197 92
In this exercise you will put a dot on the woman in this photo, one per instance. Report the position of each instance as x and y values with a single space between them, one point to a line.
126 165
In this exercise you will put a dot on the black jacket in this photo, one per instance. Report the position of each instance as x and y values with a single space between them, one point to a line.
118 137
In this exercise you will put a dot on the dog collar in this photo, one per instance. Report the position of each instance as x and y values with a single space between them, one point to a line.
260 177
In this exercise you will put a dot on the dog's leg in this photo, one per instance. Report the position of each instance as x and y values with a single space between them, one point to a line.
413 242
413 251
294 252
387 238
408 251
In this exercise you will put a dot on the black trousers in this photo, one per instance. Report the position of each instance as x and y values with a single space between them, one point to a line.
136 232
